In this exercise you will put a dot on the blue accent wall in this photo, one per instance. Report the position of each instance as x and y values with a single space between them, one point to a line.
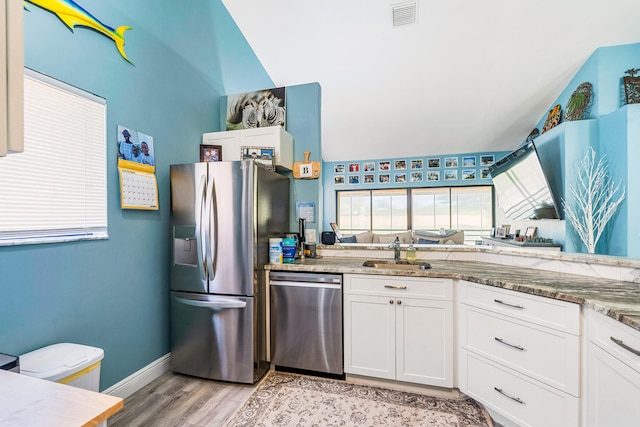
612 131
114 294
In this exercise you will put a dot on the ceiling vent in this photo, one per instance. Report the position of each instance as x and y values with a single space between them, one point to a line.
405 13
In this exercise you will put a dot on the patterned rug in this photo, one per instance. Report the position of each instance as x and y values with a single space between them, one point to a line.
284 399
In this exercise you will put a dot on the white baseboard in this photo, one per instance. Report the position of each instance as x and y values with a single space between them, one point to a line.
139 379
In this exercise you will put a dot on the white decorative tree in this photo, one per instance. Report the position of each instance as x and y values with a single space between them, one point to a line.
596 200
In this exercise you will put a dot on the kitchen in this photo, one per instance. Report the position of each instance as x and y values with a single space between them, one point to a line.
113 294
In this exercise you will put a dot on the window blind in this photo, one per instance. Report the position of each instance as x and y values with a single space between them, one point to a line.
56 189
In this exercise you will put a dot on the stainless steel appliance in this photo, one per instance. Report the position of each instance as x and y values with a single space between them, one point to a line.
306 321
222 215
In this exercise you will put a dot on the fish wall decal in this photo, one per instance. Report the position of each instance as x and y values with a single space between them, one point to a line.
73 15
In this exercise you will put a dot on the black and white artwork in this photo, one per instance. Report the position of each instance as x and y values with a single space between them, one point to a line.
261 108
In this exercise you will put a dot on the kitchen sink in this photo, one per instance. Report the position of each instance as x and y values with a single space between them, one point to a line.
397 265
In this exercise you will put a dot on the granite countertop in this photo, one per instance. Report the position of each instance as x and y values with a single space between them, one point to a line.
616 299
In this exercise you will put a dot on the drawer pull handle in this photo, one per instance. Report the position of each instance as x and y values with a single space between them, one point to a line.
395 287
626 347
517 347
510 305
515 399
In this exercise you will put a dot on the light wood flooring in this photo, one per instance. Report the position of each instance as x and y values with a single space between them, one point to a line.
178 400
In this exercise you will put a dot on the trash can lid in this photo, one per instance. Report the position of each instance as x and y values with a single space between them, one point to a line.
59 360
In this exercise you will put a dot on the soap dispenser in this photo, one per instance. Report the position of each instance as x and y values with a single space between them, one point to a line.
411 253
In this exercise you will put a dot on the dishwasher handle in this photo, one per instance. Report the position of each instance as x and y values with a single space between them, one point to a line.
305 284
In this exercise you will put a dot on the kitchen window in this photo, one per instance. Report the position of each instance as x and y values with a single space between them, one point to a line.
55 190
387 211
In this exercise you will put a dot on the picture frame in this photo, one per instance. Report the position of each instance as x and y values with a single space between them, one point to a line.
400 165
484 173
468 161
262 155
501 233
354 179
433 176
210 153
400 178
416 177
354 167
369 178
433 163
384 165
530 232
487 160
339 168
450 162
468 174
369 166
451 175
384 178
416 164
338 179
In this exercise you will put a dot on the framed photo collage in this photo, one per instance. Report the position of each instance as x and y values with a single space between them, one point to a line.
430 170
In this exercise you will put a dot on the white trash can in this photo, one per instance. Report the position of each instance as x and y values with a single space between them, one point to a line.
66 363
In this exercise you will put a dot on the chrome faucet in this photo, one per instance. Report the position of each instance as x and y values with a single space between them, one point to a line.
396 249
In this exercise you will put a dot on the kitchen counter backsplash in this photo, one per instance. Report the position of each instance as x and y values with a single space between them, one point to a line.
616 298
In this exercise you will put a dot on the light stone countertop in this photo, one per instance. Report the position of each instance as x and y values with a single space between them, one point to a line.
617 299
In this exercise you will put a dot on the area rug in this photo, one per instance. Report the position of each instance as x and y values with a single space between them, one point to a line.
284 399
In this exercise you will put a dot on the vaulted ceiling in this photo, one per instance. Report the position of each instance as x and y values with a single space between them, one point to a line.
468 76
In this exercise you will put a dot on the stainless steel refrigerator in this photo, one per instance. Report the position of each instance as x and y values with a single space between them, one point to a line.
222 215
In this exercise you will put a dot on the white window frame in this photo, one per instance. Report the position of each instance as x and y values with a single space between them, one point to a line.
56 190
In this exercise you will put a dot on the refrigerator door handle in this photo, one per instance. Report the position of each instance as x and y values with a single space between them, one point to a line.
213 303
201 228
208 202
213 227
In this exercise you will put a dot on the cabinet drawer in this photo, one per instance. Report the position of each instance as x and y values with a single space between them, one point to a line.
524 401
545 354
560 315
398 286
603 330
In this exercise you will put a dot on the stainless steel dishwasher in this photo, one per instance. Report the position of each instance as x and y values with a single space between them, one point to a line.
306 321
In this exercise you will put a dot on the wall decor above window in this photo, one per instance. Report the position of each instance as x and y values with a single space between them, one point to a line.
579 104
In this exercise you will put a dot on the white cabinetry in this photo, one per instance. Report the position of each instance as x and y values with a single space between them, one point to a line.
275 137
613 372
520 355
399 328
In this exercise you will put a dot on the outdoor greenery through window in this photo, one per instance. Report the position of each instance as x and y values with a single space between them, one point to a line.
388 211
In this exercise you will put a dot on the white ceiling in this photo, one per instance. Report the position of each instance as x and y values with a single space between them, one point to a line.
470 76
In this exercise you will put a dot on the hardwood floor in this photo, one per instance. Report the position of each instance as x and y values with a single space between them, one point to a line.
178 400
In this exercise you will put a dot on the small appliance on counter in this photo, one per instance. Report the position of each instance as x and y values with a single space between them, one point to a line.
9 363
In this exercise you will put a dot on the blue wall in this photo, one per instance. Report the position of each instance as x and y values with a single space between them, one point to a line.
612 131
113 293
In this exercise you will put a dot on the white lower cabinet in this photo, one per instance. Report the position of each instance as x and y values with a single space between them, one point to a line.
399 328
613 373
520 355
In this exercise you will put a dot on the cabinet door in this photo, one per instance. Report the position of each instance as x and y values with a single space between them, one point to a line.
424 342
229 141
613 391
369 336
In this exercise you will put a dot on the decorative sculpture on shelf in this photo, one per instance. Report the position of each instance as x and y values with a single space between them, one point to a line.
579 105
632 86
596 200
